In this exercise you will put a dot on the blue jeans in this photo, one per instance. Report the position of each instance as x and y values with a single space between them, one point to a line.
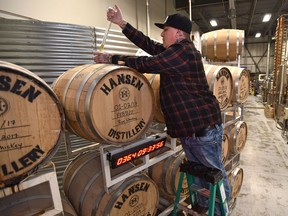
207 150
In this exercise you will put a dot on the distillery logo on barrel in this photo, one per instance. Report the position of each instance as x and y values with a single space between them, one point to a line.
126 113
135 200
223 91
27 112
241 137
244 85
3 106
127 195
105 102
124 94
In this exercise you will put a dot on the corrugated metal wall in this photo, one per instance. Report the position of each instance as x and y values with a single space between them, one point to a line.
49 49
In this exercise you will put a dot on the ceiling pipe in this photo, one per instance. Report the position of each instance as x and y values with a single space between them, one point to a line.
137 18
268 55
190 9
148 17
232 13
205 21
251 17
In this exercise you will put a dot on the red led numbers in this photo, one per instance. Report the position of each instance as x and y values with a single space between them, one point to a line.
139 153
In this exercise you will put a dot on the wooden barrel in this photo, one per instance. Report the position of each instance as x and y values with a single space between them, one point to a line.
238 137
33 201
68 209
220 83
83 185
235 179
154 80
232 115
222 45
269 111
166 174
106 103
30 200
225 148
31 123
241 84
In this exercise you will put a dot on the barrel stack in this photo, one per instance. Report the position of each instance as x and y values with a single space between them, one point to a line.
222 50
97 102
102 104
111 105
84 186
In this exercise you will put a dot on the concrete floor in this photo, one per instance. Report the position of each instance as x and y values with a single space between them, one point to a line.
264 161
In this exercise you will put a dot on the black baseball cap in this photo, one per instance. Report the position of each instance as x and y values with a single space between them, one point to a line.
177 21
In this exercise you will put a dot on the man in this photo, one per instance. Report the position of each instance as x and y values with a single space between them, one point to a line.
190 110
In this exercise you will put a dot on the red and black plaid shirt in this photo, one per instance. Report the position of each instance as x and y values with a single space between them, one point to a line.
186 101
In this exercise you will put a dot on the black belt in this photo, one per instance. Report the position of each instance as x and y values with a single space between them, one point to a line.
203 132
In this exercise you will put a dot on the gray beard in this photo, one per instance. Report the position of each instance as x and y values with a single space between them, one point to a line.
179 39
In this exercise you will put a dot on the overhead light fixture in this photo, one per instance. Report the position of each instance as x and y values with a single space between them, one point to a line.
257 35
266 17
213 23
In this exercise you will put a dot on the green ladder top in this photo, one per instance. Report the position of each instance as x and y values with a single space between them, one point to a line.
211 175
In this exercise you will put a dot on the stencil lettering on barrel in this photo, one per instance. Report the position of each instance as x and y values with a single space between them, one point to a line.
18 88
127 134
135 188
223 73
121 79
24 161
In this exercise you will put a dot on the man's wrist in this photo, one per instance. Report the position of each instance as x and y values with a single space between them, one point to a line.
122 24
108 58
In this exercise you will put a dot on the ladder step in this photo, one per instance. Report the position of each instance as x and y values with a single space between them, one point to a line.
211 175
187 210
202 191
215 194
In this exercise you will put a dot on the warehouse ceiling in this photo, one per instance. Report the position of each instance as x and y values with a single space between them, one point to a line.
236 14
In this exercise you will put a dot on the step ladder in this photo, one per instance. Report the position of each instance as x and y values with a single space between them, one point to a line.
211 175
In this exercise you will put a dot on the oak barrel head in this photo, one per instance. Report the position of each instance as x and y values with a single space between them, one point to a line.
31 123
106 103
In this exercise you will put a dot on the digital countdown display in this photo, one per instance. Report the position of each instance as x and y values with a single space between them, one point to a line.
128 155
